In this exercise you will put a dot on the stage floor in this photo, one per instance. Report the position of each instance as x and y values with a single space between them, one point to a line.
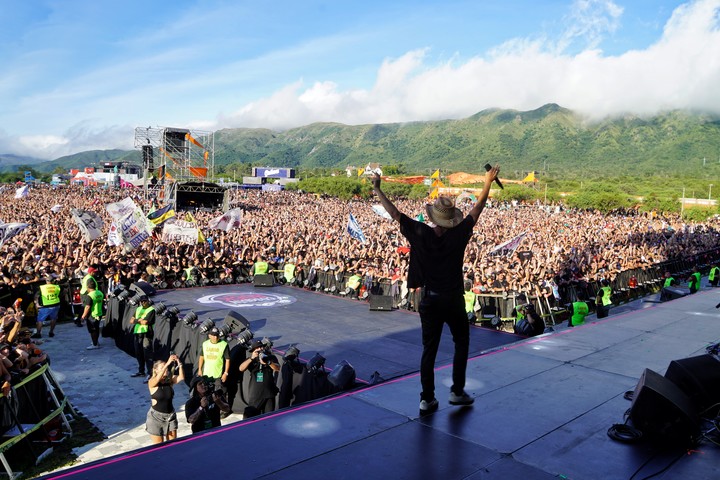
543 407
387 342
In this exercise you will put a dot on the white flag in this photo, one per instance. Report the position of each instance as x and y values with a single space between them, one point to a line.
89 222
114 239
22 192
56 208
380 210
180 231
9 230
510 246
227 221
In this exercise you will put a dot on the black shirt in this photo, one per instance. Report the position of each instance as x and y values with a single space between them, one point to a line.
209 418
436 261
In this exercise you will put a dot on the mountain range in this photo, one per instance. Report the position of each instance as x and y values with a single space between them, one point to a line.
550 138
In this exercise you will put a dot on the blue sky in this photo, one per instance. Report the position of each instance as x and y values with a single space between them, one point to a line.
79 74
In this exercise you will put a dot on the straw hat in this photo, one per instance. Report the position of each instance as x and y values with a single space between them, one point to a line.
444 213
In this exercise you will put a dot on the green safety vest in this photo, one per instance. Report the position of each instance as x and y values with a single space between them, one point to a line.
213 364
607 292
354 282
261 268
580 311
49 295
713 273
140 314
289 272
469 301
83 285
694 280
188 273
668 282
97 299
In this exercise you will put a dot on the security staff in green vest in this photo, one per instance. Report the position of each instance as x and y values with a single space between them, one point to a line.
90 275
694 281
289 272
470 299
260 267
669 280
47 300
190 274
214 360
92 314
352 287
603 300
714 275
142 322
578 311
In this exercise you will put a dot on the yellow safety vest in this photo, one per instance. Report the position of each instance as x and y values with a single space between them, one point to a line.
289 272
213 364
140 314
49 295
261 268
354 282
580 311
83 285
469 301
607 292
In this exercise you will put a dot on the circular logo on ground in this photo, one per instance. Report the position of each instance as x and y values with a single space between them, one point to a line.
248 300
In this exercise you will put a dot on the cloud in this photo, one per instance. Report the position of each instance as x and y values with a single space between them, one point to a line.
679 71
78 138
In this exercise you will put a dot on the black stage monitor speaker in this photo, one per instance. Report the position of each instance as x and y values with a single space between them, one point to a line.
236 321
264 280
671 293
698 377
342 376
662 411
383 303
143 288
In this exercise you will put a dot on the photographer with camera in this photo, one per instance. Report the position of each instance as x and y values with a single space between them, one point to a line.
203 408
527 320
262 366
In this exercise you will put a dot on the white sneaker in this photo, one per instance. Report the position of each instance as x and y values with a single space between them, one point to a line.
92 347
428 407
463 399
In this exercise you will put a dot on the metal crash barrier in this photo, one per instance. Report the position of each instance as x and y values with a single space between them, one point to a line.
35 412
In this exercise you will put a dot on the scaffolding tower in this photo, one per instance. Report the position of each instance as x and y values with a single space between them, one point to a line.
174 156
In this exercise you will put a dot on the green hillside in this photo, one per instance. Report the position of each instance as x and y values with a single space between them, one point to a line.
551 140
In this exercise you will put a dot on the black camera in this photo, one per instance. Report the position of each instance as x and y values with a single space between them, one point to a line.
209 387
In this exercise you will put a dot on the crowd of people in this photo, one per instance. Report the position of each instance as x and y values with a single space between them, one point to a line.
557 246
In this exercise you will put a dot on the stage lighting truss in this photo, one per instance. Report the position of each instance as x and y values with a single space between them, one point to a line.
183 154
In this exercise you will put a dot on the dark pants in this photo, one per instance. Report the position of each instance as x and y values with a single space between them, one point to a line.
143 352
436 310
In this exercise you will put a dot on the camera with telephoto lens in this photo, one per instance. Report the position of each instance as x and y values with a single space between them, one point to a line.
209 387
